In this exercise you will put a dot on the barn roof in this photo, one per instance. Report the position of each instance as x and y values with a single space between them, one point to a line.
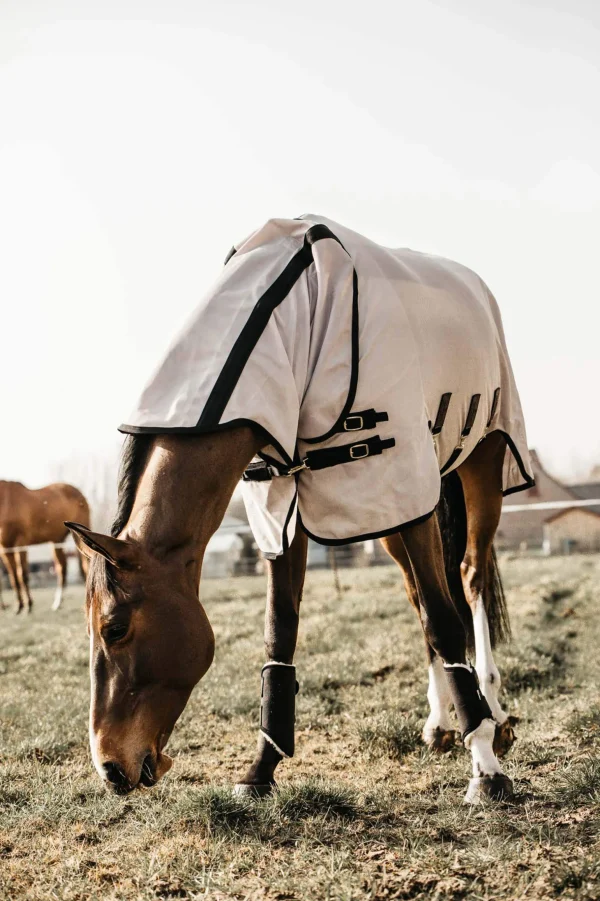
528 525
587 491
589 511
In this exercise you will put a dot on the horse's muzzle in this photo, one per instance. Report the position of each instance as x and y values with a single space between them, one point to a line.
121 784
116 778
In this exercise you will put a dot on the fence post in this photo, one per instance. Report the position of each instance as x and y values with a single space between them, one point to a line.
334 570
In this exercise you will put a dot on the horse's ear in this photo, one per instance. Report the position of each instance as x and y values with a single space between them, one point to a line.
122 554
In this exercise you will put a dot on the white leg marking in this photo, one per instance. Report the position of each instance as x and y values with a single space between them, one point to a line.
93 748
479 743
58 595
273 745
440 701
487 671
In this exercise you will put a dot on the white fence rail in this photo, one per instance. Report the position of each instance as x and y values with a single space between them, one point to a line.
507 508
550 505
17 550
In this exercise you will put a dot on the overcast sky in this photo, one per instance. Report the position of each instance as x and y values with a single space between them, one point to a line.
139 140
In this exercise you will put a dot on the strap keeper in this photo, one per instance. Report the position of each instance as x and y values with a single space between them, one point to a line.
258 472
441 414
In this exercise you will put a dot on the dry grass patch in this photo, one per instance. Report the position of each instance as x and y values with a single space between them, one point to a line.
363 810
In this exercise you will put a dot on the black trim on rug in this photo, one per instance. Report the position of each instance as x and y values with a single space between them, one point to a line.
337 426
206 430
516 488
284 542
256 324
529 481
333 542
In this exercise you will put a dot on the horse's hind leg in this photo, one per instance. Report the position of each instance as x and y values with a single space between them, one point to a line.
276 736
446 634
60 565
438 732
481 478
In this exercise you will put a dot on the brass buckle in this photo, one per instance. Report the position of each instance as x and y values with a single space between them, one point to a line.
295 469
356 447
353 428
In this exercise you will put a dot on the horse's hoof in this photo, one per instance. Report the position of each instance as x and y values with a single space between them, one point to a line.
248 790
440 740
504 736
495 788
18 610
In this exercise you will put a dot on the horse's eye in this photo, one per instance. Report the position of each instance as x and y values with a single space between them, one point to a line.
114 632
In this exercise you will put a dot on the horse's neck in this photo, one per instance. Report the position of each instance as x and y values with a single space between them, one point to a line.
186 487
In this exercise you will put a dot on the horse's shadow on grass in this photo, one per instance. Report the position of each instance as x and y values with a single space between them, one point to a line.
280 814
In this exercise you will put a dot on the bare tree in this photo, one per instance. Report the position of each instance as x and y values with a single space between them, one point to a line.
96 477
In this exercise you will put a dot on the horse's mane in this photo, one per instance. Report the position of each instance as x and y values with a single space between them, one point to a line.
102 576
133 462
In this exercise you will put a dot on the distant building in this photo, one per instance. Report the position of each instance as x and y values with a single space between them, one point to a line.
553 531
231 551
575 529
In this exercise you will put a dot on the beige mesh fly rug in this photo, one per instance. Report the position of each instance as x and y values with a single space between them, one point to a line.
372 371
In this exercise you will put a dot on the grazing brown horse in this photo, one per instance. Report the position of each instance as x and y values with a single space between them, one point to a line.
35 517
312 331
151 641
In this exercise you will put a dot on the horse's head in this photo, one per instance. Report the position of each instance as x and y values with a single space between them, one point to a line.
150 643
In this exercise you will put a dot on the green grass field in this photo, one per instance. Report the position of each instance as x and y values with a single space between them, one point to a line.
363 811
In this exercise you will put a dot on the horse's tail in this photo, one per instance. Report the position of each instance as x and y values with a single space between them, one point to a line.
452 517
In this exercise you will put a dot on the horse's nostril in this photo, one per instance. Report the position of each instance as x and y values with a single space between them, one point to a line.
148 774
116 776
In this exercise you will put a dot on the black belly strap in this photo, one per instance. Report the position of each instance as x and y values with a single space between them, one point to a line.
325 457
470 705
278 706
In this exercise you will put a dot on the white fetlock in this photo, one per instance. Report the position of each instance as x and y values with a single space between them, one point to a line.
479 743
488 782
440 702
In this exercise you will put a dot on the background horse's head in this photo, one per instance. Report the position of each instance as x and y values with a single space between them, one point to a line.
150 643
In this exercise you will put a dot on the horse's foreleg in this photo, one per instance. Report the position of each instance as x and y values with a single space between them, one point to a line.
446 634
22 568
276 737
438 732
60 565
10 562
